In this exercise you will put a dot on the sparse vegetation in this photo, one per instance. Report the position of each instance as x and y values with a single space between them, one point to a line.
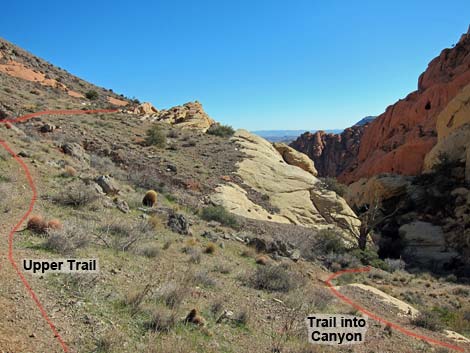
274 278
219 214
156 137
221 130
162 321
334 185
92 95
78 195
67 239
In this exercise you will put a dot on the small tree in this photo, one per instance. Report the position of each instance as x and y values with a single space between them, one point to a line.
370 219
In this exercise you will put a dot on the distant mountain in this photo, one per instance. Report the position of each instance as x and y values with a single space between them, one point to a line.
286 136
365 120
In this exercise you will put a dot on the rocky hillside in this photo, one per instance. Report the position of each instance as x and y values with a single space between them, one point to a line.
398 140
206 242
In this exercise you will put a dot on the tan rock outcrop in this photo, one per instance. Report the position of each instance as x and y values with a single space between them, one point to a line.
295 158
455 114
295 192
453 130
378 188
145 108
187 116
454 146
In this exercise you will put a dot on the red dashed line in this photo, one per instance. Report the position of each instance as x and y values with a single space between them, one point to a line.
379 319
32 186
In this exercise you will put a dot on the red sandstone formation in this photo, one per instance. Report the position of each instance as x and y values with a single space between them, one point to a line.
398 140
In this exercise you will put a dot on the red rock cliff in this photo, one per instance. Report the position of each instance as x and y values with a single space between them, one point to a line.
397 140
333 154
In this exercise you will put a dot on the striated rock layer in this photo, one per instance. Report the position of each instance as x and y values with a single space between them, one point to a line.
296 193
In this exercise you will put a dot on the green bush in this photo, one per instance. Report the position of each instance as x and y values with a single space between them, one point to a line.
221 130
155 137
91 95
219 214
275 278
368 257
428 319
330 241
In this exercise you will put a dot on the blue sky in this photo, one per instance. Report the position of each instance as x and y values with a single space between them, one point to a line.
299 64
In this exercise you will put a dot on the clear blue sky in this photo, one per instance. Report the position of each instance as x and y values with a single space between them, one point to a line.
255 64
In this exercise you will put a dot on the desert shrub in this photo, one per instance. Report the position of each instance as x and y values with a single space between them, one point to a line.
222 268
393 265
195 255
155 137
334 185
203 278
171 294
242 317
210 248
124 236
150 251
91 95
330 241
219 214
134 298
428 319
162 321
369 257
337 262
274 278
221 130
68 239
78 195
217 307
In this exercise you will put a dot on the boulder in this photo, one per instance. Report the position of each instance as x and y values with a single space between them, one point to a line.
297 194
178 223
122 205
295 158
48 128
187 116
76 151
145 109
426 245
108 184
377 188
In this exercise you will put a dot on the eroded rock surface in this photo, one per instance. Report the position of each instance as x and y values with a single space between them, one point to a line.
297 194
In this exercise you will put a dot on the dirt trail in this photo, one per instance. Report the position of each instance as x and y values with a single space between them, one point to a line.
375 317
22 327
27 323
